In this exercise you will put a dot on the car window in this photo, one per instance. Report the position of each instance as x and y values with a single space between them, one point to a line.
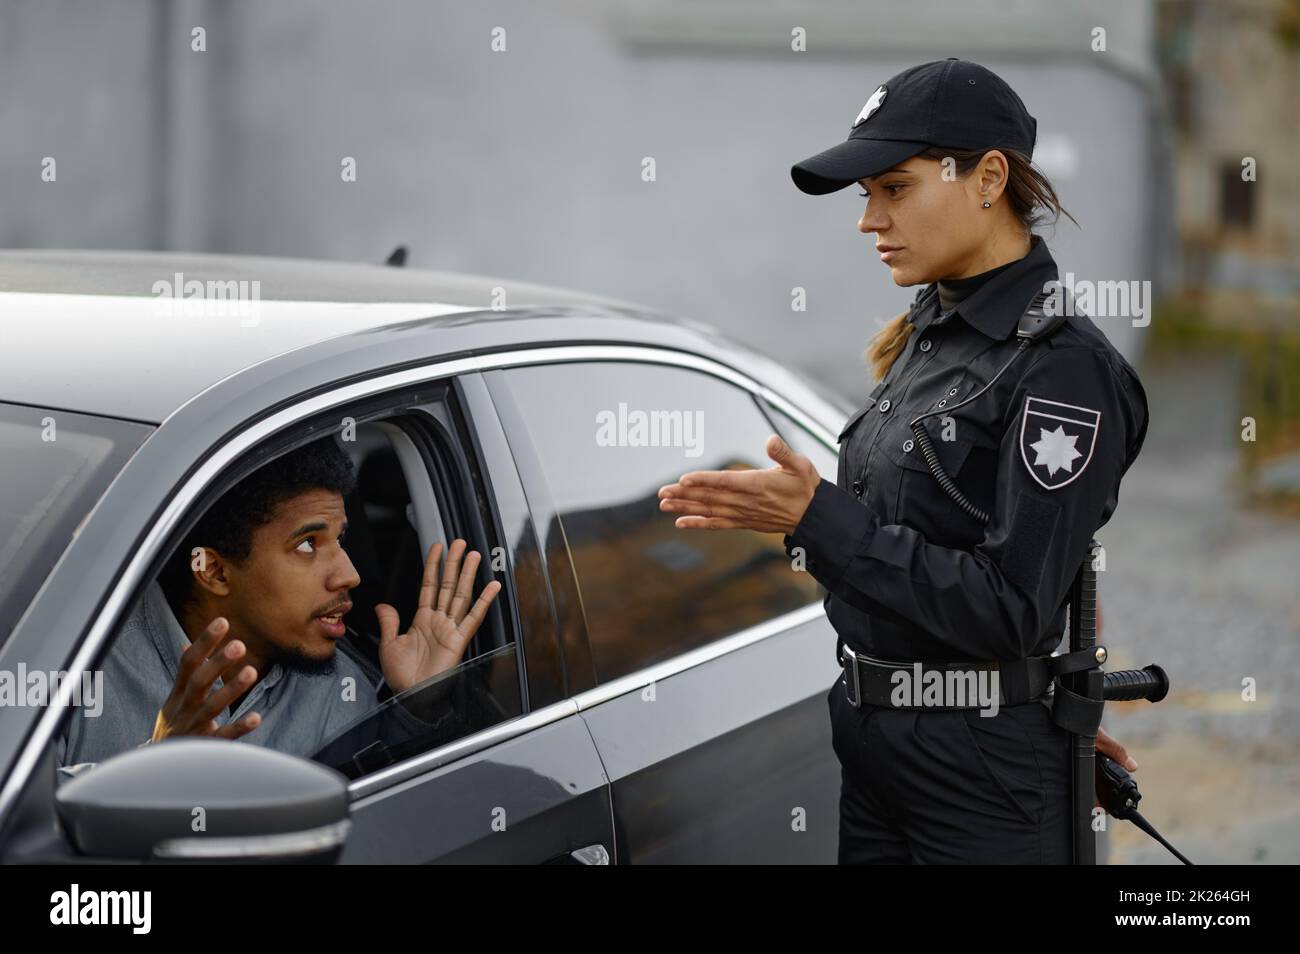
54 465
798 437
609 435
410 487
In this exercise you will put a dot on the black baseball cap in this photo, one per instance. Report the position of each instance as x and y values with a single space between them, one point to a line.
949 103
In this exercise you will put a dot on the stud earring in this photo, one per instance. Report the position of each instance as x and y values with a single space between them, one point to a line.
986 205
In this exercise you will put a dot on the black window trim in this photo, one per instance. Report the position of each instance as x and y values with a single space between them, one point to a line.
447 462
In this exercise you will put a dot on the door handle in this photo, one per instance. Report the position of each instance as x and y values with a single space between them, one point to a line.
590 855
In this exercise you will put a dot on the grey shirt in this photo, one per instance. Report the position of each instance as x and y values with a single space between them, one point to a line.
300 712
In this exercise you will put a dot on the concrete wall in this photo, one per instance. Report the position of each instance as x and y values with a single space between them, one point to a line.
527 163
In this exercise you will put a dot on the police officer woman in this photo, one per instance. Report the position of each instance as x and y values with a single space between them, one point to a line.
970 485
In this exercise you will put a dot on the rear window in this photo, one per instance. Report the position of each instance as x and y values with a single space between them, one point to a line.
54 465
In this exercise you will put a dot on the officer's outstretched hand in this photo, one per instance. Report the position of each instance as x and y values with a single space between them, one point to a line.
770 501
444 620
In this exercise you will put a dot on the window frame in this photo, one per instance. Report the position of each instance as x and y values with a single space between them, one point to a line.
435 418
440 451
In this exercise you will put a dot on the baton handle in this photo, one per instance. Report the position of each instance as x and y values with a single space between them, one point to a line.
1149 682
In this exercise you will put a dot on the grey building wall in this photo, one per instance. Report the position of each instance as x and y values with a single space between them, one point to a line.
527 163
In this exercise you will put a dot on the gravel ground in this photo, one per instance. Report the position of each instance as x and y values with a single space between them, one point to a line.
1207 589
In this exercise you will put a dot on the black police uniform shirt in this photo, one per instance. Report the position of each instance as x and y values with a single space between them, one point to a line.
909 575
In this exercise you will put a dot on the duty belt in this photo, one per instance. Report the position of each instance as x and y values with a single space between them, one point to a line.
917 684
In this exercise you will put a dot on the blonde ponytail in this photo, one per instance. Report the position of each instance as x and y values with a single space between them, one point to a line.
888 343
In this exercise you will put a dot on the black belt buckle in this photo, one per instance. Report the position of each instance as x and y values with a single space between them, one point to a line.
852 690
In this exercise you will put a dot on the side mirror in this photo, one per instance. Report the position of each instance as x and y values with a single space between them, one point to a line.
206 800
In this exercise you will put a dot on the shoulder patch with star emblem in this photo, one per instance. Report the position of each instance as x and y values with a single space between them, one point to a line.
1056 440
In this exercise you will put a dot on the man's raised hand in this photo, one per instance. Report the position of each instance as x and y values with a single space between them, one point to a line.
444 620
192 706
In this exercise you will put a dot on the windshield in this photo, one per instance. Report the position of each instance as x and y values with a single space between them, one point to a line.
478 693
54 465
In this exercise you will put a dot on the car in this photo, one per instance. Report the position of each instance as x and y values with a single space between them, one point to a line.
637 694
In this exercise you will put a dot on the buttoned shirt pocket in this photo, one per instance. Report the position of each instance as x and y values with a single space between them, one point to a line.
872 399
921 502
853 420
849 465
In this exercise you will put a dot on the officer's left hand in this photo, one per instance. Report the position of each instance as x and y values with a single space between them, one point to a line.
1108 746
770 501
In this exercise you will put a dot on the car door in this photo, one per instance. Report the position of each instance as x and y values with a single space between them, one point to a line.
527 790
708 653
522 783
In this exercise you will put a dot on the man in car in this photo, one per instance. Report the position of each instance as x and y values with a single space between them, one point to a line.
239 637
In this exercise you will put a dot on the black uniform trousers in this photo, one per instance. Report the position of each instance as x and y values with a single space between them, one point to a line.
950 786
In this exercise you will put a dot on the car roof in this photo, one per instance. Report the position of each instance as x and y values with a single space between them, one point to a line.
84 272
114 333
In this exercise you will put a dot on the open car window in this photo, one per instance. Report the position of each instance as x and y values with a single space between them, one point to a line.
416 483
475 695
